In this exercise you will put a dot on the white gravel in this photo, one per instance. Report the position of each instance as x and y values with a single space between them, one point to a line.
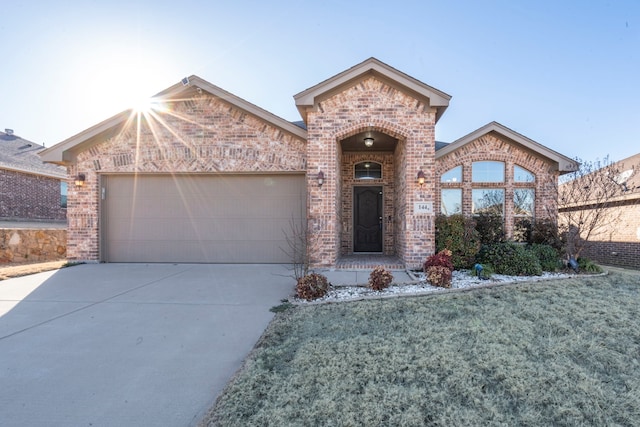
462 279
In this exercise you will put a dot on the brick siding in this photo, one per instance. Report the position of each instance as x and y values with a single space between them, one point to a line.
26 196
201 135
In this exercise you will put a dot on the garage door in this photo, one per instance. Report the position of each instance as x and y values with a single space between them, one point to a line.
200 218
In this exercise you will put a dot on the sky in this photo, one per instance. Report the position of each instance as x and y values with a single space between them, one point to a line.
563 73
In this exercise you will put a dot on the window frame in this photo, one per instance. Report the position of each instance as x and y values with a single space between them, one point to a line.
364 168
476 172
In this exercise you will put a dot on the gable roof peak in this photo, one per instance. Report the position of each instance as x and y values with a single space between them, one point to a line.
433 97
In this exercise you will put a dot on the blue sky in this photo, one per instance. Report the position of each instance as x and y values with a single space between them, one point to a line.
564 73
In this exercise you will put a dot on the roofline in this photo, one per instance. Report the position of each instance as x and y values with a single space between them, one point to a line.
64 152
565 164
31 172
437 98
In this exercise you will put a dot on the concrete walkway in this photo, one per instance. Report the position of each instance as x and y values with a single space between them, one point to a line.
128 344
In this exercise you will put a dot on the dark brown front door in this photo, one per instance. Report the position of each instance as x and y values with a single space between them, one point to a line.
367 219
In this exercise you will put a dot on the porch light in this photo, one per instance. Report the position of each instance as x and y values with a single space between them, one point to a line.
368 142
421 177
320 178
79 180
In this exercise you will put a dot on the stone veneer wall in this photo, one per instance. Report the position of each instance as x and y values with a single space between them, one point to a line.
32 245
203 134
349 161
371 105
490 147
27 196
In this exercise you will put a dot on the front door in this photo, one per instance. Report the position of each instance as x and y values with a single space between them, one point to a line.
367 219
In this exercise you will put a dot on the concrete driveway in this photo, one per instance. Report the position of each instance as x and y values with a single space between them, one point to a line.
128 344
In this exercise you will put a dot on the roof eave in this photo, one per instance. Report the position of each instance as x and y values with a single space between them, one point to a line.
564 163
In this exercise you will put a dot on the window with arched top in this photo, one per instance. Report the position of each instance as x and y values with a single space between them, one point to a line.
487 171
453 175
521 174
367 170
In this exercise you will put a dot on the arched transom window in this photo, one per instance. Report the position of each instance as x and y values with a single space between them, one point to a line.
367 170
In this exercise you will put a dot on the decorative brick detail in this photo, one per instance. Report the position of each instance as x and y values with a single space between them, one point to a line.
494 148
371 105
30 197
202 135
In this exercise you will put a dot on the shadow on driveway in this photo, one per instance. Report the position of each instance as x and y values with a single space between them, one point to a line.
129 344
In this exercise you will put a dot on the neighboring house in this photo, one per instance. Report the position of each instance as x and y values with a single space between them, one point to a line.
29 189
616 240
208 177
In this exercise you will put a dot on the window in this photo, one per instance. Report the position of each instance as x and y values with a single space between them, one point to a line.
487 201
523 201
452 175
367 170
63 194
522 175
451 201
487 172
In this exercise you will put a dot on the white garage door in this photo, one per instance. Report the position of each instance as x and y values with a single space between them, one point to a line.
200 218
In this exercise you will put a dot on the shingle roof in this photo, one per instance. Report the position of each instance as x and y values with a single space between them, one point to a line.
20 155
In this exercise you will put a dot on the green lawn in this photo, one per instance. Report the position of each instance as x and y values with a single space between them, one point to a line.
565 352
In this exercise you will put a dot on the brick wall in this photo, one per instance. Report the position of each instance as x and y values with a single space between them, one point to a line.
29 197
203 134
492 147
372 105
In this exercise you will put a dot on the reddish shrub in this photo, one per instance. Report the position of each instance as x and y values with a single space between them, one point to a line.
380 278
439 276
441 259
312 286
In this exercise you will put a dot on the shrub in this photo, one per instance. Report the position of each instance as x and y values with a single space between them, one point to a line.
510 259
589 266
441 259
522 230
490 228
458 234
312 286
380 278
545 231
438 275
547 256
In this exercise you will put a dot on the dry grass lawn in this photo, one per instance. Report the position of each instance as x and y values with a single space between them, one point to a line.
17 270
561 353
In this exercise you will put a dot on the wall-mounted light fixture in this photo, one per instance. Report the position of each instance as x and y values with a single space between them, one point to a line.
368 142
320 178
80 179
421 177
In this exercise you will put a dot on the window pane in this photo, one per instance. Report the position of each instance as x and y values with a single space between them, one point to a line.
368 170
451 202
63 194
488 201
452 175
487 172
522 175
523 201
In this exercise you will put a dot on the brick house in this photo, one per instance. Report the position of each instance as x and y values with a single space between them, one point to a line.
30 190
617 240
205 176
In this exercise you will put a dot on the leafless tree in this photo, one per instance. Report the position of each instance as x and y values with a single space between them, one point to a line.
587 198
300 247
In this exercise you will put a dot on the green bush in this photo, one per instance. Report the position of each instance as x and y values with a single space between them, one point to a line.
585 264
380 278
545 232
510 259
547 256
312 286
523 230
458 234
490 228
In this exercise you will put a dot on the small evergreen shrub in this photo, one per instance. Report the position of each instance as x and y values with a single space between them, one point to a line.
523 230
441 259
490 228
312 286
458 234
510 259
585 264
438 275
545 231
380 278
547 256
